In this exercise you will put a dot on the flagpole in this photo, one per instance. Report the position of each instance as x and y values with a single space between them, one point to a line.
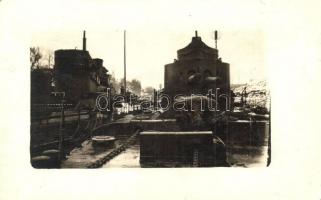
125 61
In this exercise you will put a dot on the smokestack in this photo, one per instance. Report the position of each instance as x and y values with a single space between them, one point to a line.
196 34
84 41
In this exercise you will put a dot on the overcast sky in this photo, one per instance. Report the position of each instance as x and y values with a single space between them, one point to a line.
155 31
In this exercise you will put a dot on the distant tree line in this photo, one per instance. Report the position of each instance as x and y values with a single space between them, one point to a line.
40 58
133 86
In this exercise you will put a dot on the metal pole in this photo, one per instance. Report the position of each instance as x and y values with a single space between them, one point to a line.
62 126
79 117
61 130
125 61
215 36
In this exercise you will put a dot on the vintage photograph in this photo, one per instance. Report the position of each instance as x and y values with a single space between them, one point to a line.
183 100
160 99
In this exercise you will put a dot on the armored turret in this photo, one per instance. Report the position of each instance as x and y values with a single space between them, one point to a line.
196 70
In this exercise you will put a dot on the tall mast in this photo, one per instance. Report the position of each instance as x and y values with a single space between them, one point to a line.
215 37
84 41
125 60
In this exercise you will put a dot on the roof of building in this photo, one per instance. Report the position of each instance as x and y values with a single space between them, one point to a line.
197 49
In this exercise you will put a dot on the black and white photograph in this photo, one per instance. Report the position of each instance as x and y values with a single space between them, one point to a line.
85 116
210 99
